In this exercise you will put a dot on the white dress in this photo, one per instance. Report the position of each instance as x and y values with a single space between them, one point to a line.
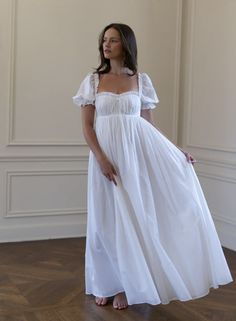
152 235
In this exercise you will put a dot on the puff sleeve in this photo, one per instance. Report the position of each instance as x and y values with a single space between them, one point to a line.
149 97
86 92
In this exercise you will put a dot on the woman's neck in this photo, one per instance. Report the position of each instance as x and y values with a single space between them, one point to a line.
117 67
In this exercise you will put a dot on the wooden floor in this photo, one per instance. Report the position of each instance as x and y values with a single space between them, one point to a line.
44 281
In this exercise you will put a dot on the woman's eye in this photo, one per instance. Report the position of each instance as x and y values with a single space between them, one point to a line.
112 40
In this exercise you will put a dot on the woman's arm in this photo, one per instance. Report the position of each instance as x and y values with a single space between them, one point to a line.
147 114
87 116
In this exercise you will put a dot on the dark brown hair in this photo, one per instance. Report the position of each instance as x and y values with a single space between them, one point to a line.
129 46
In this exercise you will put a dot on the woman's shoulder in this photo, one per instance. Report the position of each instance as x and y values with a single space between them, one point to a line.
89 76
145 79
148 93
90 79
144 75
86 92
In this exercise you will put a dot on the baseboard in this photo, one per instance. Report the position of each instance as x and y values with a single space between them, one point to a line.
226 233
41 232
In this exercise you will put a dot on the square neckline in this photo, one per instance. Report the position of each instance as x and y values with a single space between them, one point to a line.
136 92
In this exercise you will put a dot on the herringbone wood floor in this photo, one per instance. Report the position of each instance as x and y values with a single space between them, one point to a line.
44 281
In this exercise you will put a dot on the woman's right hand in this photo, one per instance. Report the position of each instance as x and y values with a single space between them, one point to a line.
107 169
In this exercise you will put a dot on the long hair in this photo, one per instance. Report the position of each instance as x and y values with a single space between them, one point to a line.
129 46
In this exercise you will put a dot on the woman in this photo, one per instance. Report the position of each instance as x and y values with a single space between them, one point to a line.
150 235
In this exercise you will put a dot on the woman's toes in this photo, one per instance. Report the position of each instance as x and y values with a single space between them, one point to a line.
120 301
98 300
104 301
101 301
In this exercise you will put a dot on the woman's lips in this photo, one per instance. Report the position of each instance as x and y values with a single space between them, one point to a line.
107 51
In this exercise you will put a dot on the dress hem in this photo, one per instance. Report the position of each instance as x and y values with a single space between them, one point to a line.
163 302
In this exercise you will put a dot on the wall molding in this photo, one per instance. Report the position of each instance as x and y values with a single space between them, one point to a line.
55 212
49 158
84 158
11 140
177 71
224 179
226 230
34 232
226 227
217 177
224 220
190 91
210 147
217 163
8 213
12 72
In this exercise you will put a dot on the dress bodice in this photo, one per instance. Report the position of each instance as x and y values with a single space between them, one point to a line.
127 103
109 103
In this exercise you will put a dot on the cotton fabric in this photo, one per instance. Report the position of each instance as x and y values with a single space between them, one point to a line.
152 235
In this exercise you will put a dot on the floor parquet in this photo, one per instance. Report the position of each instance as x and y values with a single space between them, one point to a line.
44 281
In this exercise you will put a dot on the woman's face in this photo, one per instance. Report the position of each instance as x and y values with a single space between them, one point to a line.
112 46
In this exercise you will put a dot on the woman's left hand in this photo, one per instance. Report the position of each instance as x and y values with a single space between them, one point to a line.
189 157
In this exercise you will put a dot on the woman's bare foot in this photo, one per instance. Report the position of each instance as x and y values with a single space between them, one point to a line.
120 301
101 301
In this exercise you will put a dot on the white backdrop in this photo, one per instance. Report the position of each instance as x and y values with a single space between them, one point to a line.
47 48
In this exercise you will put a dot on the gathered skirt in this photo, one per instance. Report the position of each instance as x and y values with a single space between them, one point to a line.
152 235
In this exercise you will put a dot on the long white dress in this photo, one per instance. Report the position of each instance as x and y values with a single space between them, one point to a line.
152 235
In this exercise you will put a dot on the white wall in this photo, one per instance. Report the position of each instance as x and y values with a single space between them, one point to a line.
47 47
207 105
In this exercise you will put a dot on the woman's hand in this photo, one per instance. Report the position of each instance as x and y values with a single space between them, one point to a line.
188 156
107 169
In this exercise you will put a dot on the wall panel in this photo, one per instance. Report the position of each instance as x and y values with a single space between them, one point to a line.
47 48
207 104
